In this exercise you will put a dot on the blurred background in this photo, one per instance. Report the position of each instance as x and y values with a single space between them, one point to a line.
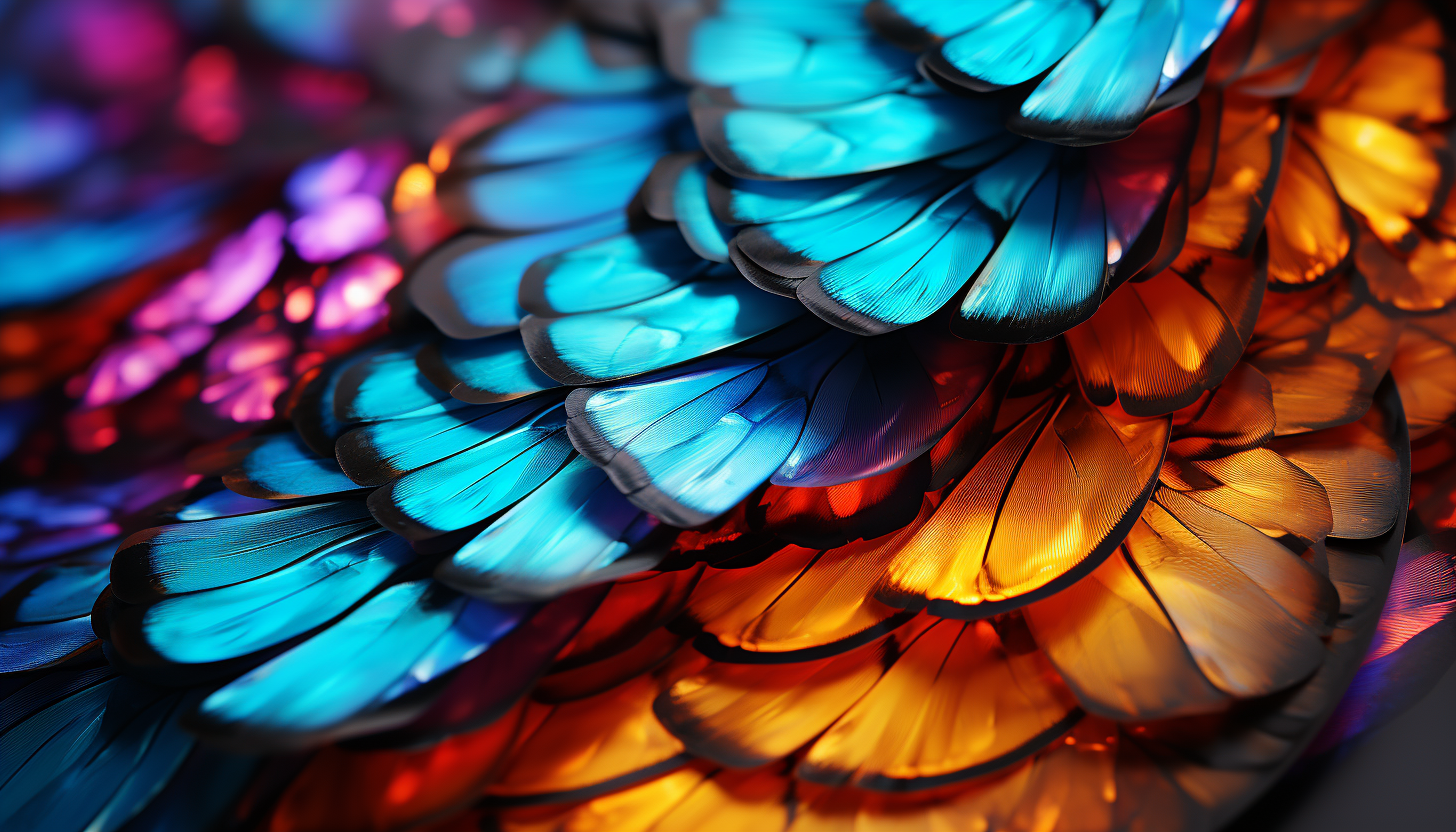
196 200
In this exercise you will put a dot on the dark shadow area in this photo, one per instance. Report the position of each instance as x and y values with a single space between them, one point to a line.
1400 778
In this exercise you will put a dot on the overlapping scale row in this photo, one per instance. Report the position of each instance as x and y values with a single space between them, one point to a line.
808 702
1098 67
1191 403
1001 415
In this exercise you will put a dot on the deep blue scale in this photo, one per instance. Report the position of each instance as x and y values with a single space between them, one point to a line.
576 528
87 751
679 325
483 370
469 286
469 487
377 453
235 620
612 272
33 646
1049 271
281 466
187 557
406 635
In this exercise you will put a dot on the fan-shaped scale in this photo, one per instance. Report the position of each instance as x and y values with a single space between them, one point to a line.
693 212
1102 88
885 251
48 613
819 56
991 543
529 197
565 128
483 370
687 445
33 646
481 480
1014 45
575 528
386 384
281 467
204 554
881 132
1050 269
401 638
613 272
468 286
242 618
590 746
679 325
379 452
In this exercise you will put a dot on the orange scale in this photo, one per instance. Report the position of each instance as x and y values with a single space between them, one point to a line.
798 603
1157 345
579 682
1422 281
1213 576
1386 173
1324 352
1237 416
1395 82
991 544
1286 79
1390 67
1360 468
745 715
1117 650
1433 266
1310 230
1444 222
962 700
1424 367
1434 451
575 749
697 797
1251 140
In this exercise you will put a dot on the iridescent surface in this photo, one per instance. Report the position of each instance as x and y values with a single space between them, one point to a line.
837 415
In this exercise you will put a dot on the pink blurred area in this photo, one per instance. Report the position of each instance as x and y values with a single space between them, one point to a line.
297 284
